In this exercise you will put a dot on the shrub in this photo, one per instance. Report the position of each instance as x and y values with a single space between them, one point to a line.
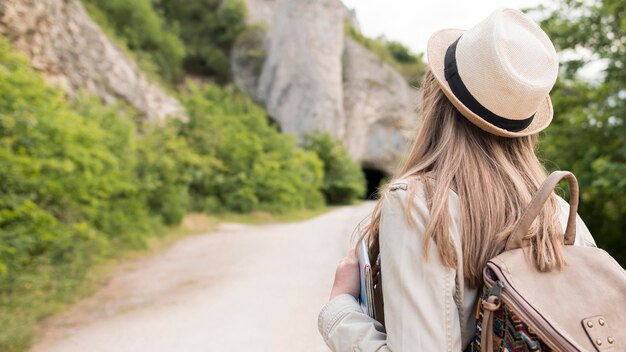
58 171
247 164
76 184
588 133
113 201
79 182
166 165
208 28
344 180
145 32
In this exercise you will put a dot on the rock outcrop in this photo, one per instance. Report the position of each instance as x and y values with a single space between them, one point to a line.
310 76
300 83
260 11
379 107
295 59
70 49
248 57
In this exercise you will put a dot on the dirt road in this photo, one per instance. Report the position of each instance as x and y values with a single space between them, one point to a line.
244 288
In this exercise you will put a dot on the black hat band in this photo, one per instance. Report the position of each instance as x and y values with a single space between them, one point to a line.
460 91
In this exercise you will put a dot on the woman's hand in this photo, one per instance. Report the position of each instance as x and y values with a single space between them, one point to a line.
347 278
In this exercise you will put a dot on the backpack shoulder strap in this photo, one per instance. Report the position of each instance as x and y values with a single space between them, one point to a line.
535 206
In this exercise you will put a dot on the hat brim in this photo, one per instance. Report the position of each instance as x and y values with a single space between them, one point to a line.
437 46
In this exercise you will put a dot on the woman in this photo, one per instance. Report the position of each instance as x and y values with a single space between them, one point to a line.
471 172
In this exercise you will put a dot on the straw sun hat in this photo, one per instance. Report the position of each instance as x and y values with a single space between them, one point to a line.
498 74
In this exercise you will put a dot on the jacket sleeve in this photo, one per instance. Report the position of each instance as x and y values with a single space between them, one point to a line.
420 311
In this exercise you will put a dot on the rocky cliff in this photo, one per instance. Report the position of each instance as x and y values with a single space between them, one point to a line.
260 10
309 75
379 107
70 49
295 59
300 82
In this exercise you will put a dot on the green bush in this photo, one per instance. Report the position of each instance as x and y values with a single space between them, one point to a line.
208 28
59 170
145 32
247 164
76 184
344 180
588 134
165 168
175 35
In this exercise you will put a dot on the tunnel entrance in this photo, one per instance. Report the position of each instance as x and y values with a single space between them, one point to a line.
374 178
274 123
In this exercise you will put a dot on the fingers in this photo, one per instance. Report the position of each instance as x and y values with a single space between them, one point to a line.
349 258
348 261
347 276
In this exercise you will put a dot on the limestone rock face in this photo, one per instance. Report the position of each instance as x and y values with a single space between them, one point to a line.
250 49
70 49
379 107
247 59
260 11
314 77
300 83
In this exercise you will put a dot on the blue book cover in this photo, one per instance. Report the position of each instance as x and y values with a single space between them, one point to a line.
366 293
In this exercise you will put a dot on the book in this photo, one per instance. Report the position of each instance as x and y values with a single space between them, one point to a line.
366 294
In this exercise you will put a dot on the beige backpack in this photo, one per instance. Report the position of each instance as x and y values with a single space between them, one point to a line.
579 308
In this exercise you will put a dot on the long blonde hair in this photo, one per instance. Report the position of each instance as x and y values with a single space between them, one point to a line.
494 178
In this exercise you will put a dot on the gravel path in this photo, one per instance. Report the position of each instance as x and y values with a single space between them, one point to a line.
244 288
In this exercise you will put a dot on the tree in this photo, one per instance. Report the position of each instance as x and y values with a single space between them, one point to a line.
144 31
588 134
209 29
344 180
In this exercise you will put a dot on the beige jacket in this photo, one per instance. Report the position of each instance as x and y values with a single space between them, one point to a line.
427 306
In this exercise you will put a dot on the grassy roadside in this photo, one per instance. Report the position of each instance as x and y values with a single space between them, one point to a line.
20 314
261 217
199 223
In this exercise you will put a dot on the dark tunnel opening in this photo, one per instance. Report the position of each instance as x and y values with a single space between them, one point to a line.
274 123
374 178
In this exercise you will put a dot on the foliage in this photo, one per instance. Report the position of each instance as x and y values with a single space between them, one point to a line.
410 65
76 184
344 180
208 28
165 169
588 135
250 51
175 35
80 182
247 164
145 32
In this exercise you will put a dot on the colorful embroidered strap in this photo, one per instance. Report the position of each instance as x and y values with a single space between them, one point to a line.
510 333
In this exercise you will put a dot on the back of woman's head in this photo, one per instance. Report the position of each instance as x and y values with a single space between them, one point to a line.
494 178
